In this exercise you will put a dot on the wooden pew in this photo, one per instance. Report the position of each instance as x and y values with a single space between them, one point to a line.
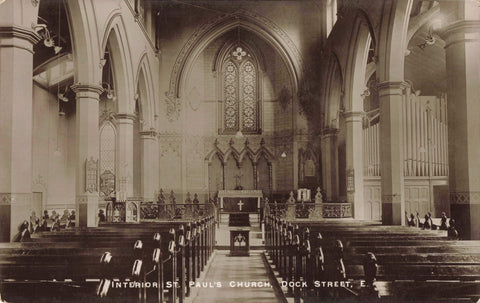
403 253
55 256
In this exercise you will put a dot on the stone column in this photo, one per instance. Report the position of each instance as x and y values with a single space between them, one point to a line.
149 164
88 151
330 163
16 60
462 39
391 152
354 154
125 152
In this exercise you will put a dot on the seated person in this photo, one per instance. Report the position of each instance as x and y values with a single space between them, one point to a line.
101 216
71 220
23 233
443 224
433 226
65 215
427 222
45 219
64 218
56 225
55 216
452 232
34 221
411 221
420 224
36 227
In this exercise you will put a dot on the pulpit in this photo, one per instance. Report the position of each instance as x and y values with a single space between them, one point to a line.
239 242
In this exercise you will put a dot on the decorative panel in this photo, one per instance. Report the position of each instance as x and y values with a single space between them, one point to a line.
107 160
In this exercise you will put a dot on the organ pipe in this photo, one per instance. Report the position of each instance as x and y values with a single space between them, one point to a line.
425 138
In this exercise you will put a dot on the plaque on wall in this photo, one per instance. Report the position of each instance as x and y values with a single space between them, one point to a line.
91 175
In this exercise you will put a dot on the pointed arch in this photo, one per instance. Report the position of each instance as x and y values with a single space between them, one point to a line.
115 38
333 93
392 41
356 70
231 152
85 44
145 92
208 32
246 152
266 153
215 152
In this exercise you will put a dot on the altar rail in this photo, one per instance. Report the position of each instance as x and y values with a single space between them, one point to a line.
152 211
307 210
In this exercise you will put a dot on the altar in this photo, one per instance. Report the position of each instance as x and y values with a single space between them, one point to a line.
239 204
240 201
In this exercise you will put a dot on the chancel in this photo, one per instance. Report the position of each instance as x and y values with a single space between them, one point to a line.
326 149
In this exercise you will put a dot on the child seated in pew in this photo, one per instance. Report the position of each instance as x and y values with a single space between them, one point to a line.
44 224
64 219
55 225
71 220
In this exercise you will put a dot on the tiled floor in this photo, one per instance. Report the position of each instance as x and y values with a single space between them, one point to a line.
223 280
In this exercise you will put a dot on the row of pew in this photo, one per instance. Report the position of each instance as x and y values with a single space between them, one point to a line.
366 261
92 264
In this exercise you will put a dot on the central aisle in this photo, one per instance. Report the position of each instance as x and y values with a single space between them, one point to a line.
225 270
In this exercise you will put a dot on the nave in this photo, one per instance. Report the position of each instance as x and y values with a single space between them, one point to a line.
364 261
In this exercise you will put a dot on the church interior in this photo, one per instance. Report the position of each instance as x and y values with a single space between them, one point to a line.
214 145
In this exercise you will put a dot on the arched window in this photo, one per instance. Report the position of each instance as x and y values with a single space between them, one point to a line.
107 159
240 92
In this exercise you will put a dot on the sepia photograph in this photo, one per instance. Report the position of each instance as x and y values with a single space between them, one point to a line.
237 151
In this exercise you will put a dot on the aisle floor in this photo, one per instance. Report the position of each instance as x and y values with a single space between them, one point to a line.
228 272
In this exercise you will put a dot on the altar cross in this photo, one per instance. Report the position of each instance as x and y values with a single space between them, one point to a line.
240 204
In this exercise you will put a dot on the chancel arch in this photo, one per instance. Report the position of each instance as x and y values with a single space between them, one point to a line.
209 32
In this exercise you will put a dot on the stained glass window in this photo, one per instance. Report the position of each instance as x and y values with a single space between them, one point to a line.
249 96
231 96
240 108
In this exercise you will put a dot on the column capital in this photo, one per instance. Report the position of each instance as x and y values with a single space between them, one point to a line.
83 90
391 87
20 32
461 31
148 134
329 132
354 116
125 116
